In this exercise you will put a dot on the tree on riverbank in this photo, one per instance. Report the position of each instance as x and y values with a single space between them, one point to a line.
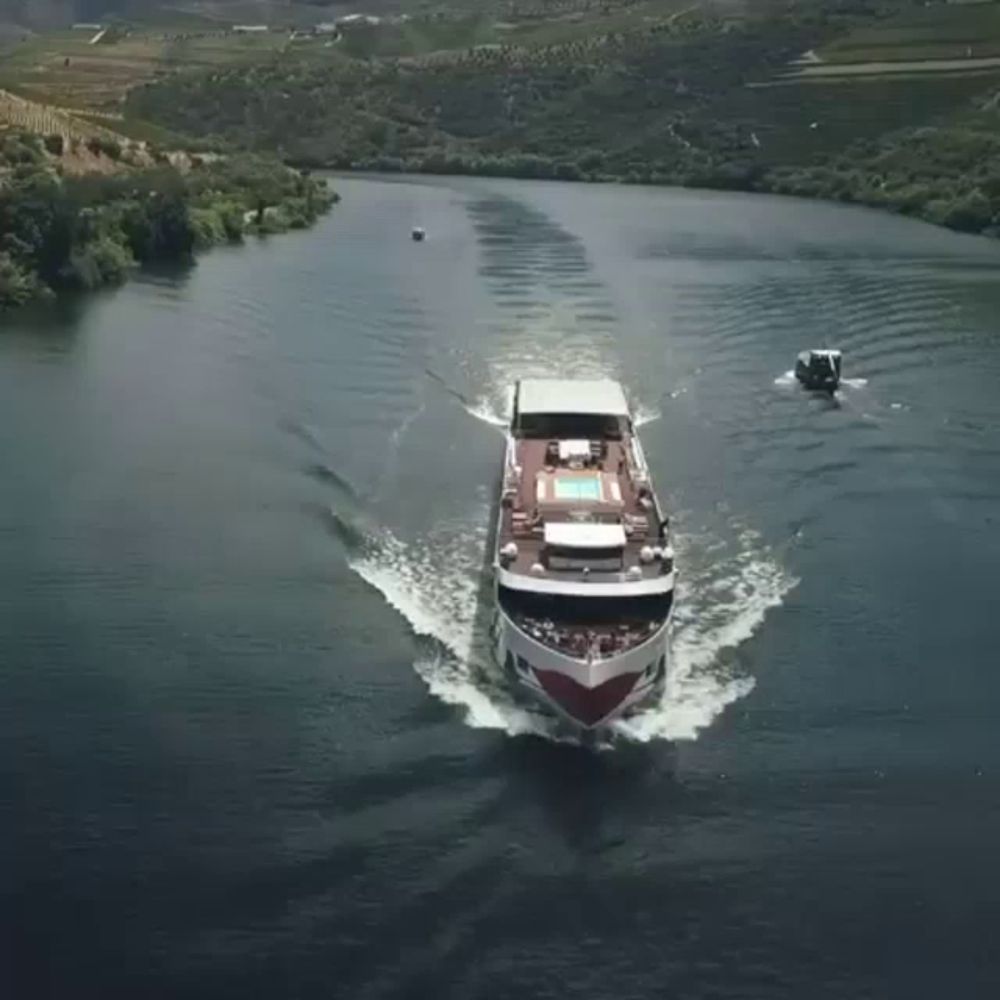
85 232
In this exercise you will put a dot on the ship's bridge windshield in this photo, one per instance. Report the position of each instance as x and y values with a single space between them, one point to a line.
553 426
562 557
588 612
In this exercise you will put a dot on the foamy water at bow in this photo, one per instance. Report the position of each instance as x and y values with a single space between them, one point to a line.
440 587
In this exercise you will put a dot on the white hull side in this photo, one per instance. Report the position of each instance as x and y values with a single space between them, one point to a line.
586 694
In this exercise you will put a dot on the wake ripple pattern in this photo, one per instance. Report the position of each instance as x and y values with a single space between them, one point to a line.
440 587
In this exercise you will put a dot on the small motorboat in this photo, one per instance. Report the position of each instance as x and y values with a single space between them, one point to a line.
418 234
819 369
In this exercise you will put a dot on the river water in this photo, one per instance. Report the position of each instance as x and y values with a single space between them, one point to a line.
249 742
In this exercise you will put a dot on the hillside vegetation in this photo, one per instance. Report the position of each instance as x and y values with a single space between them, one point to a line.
68 68
47 14
935 31
59 232
885 102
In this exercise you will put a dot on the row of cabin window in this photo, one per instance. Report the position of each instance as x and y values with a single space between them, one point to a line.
656 669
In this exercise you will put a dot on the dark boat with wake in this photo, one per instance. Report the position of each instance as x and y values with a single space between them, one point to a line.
819 369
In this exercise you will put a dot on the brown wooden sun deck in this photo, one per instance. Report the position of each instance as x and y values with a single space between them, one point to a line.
624 500
577 511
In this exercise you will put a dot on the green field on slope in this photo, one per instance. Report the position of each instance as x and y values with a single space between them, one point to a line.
64 68
938 31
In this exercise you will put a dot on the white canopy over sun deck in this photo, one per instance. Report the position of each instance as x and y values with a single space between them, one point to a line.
553 396
570 535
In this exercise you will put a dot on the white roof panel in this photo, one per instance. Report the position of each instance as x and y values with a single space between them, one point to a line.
555 395
577 535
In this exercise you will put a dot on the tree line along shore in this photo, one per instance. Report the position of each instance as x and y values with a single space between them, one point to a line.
62 230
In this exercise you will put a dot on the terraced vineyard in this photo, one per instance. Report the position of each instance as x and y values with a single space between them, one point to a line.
69 69
31 116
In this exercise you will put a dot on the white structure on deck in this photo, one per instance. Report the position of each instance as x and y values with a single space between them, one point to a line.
570 535
598 397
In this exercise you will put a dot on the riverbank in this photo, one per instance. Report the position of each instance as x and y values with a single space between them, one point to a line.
913 173
63 232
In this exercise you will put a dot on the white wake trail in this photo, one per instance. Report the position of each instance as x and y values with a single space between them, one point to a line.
719 607
437 586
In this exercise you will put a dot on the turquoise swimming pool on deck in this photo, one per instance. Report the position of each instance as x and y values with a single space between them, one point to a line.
578 488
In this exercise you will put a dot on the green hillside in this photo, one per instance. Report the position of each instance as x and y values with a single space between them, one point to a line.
888 102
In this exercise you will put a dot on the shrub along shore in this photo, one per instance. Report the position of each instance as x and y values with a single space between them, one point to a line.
83 232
